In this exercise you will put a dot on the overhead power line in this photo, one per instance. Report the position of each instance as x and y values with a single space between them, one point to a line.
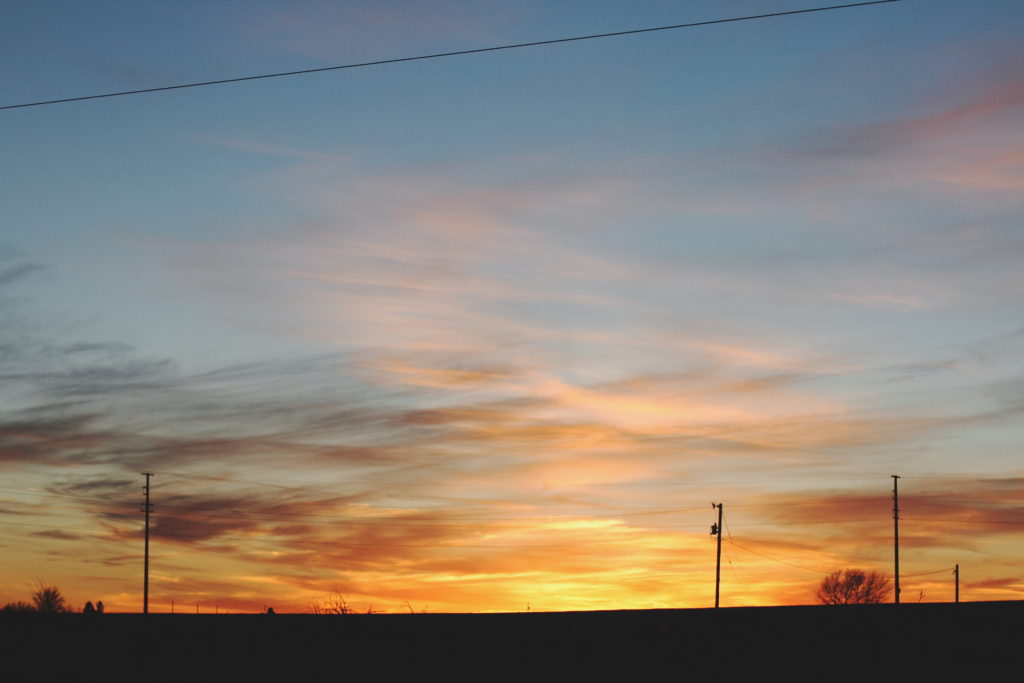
775 559
454 53
931 573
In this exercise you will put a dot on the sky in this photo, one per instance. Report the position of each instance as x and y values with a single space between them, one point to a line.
493 332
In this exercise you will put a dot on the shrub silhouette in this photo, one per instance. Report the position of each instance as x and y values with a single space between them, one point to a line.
48 600
18 607
854 587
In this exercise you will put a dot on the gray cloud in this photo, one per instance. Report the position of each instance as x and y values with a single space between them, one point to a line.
13 273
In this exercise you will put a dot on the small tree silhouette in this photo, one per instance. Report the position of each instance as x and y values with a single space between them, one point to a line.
18 607
854 587
48 600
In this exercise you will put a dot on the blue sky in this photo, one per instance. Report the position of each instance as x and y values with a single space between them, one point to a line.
770 262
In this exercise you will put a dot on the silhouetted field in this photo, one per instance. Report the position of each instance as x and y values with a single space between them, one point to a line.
639 644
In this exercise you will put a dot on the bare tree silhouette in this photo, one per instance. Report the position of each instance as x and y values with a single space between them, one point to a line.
854 587
335 603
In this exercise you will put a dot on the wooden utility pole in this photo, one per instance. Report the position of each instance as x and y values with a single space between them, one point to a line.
896 535
147 508
716 530
956 580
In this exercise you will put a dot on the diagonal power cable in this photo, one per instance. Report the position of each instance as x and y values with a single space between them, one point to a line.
438 55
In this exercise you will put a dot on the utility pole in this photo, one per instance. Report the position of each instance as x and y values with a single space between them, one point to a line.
956 579
147 508
716 530
896 534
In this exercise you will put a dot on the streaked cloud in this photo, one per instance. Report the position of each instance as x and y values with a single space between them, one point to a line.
264 148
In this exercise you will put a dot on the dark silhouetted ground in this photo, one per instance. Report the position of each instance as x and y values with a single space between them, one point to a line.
637 645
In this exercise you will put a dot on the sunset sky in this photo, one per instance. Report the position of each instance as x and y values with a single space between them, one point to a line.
491 332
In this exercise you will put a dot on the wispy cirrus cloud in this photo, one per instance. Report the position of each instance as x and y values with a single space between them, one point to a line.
961 138
270 149
502 370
